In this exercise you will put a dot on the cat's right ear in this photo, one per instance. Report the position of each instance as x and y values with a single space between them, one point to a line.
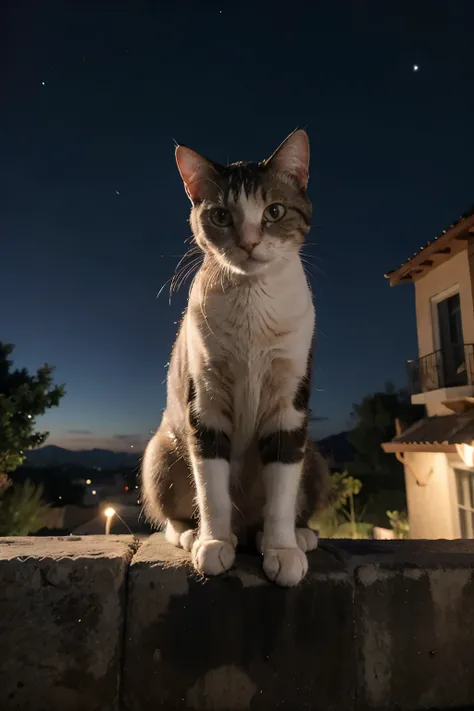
196 172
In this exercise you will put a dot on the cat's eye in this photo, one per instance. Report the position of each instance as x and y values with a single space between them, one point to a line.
274 212
221 217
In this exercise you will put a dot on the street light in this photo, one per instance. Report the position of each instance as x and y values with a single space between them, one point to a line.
109 513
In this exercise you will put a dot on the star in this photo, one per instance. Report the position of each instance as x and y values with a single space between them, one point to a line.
43 83
415 67
117 192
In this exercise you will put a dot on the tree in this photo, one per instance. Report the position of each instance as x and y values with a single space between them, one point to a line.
23 397
374 421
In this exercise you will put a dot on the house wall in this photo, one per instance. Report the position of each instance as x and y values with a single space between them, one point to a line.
432 509
447 275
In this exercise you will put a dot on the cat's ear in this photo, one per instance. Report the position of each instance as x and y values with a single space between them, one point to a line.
292 157
196 172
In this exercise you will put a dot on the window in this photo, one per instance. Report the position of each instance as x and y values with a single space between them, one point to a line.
451 341
465 491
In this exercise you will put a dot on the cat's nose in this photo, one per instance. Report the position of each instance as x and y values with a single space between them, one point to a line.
249 246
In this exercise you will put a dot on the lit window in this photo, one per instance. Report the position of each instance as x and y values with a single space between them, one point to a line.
465 492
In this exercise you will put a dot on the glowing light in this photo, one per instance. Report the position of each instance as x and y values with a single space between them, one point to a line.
43 83
94 492
29 417
415 67
88 481
126 488
60 497
109 514
466 452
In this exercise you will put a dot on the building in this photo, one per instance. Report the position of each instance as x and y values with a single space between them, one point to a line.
438 451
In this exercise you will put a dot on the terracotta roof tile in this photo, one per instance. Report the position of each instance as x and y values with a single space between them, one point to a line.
450 429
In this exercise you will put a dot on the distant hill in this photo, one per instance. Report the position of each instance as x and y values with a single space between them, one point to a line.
51 456
338 447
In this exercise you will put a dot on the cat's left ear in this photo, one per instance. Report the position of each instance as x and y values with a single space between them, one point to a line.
196 172
292 157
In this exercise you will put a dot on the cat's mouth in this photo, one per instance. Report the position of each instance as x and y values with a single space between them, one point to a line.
253 264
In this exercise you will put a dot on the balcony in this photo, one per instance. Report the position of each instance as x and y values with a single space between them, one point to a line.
451 368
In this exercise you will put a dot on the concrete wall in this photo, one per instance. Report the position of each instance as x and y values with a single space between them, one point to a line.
68 516
454 271
95 624
432 505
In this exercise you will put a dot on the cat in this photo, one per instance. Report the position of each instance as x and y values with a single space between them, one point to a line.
232 453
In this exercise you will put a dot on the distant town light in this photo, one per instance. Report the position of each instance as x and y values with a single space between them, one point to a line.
94 492
88 481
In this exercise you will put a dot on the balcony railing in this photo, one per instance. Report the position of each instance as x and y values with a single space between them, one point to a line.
448 368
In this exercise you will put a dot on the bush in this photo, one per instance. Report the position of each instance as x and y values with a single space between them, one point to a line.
399 523
341 519
21 508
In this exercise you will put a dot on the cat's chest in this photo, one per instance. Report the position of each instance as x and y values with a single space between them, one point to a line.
253 325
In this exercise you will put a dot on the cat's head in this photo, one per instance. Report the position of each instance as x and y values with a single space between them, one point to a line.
250 215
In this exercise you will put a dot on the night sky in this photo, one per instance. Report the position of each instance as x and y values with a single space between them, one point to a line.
93 215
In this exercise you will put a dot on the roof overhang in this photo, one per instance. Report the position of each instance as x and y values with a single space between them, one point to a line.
393 447
447 245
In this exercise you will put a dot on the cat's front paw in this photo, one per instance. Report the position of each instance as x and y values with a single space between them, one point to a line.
213 557
285 566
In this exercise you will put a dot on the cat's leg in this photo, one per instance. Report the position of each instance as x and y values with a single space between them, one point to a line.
283 560
209 444
306 539
282 445
313 496
167 488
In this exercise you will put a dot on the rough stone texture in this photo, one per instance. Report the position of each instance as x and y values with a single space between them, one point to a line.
61 622
415 627
237 642
376 626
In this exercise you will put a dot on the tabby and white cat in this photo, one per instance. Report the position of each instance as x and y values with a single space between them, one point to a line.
232 454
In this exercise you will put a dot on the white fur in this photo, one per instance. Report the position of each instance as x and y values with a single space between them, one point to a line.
213 497
263 319
283 548
306 539
285 566
281 490
213 557
250 211
240 330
